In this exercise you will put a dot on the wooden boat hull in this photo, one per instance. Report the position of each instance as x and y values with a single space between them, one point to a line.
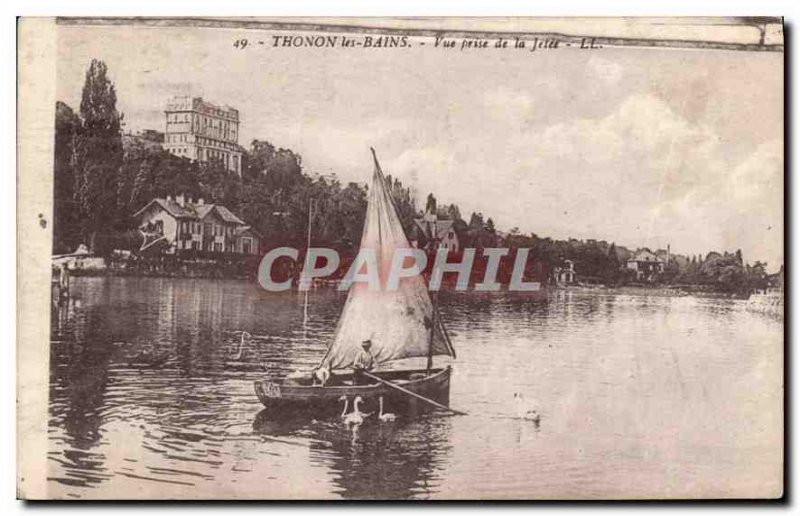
282 399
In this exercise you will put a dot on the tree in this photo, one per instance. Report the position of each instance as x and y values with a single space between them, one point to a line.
66 227
430 204
490 226
406 207
612 255
612 273
453 213
98 155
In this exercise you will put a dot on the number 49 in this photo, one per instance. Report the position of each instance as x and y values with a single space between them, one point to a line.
240 43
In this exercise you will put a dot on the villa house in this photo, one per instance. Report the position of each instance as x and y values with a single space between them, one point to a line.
648 264
431 231
179 225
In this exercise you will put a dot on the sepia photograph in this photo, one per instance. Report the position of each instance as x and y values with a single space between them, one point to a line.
401 258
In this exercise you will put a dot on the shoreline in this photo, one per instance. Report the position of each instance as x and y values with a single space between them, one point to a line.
661 291
634 290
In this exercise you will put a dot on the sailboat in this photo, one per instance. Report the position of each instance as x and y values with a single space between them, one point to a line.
401 323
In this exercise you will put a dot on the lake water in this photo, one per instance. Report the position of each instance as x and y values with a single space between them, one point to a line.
151 396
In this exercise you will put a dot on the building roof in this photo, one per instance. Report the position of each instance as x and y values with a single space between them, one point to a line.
182 103
643 255
227 215
202 209
192 211
170 206
426 227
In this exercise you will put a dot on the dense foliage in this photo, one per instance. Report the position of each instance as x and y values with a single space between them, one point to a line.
103 177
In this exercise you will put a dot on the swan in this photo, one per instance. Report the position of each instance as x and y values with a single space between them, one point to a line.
525 411
385 418
344 410
356 417
358 400
240 354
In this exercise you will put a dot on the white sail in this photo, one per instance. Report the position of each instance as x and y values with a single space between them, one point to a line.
398 321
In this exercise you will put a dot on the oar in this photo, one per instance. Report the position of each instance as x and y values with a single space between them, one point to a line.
414 394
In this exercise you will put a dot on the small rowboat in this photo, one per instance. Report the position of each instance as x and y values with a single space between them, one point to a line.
318 401
401 323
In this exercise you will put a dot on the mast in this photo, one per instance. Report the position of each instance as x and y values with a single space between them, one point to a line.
305 297
433 247
433 330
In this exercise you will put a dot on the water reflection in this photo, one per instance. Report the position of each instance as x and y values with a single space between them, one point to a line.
151 392
375 460
78 384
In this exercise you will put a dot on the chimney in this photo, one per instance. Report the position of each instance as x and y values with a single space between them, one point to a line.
169 198
200 201
179 199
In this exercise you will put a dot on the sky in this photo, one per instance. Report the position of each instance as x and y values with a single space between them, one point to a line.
639 146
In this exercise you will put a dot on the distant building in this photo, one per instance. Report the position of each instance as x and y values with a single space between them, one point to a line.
777 280
430 231
176 225
648 264
565 274
202 131
152 135
147 139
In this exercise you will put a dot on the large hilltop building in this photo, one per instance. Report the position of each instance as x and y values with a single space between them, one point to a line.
202 131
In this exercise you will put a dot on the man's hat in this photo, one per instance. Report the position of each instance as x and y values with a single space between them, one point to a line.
367 342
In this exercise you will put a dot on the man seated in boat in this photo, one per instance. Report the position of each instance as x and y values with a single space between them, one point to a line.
364 362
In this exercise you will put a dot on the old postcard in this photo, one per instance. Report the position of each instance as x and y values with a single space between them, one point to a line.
429 258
